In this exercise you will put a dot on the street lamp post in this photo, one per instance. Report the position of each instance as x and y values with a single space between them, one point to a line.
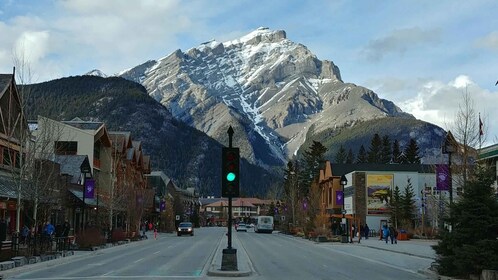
344 181
449 148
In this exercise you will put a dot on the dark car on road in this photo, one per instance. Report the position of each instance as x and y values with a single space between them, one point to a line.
185 228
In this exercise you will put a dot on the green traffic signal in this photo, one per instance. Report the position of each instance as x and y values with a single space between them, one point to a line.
230 177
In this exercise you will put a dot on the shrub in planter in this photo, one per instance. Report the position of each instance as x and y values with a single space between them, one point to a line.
118 235
89 238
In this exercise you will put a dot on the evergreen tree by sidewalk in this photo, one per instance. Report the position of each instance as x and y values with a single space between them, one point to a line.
472 245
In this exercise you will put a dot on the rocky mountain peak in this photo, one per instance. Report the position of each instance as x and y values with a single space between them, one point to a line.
96 72
270 89
260 35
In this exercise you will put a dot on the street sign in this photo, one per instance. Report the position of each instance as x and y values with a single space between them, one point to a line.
177 217
343 221
344 212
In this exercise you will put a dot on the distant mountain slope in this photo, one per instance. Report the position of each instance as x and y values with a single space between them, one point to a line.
263 84
428 136
182 152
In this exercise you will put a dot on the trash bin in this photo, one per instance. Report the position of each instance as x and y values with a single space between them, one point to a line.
344 239
402 235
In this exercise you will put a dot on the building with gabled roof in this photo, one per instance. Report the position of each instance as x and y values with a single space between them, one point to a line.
13 133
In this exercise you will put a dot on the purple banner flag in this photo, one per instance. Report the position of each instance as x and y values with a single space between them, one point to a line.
89 188
339 198
443 178
162 206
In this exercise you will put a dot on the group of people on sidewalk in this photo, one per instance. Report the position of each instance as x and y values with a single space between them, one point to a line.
389 233
363 231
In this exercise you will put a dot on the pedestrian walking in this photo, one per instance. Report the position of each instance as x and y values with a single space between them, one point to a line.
367 231
25 234
144 229
392 234
385 233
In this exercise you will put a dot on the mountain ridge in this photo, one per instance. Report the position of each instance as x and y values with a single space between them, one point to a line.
268 86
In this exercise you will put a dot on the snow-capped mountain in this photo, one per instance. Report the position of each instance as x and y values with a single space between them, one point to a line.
96 72
273 91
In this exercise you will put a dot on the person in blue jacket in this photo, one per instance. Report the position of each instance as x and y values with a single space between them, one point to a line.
385 233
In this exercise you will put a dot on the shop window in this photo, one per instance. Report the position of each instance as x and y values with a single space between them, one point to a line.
66 147
6 156
17 160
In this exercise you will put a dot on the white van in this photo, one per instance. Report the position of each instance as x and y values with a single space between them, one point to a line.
264 224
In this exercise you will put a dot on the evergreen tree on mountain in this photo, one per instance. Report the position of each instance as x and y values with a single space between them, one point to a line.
310 166
362 155
411 152
472 244
407 204
375 151
397 155
350 157
341 155
386 153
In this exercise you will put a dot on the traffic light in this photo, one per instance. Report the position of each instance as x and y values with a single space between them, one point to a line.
230 172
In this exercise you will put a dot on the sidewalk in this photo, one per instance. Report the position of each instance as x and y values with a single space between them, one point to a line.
244 264
414 247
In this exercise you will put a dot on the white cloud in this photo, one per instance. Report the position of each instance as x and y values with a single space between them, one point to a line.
490 41
34 45
438 102
399 41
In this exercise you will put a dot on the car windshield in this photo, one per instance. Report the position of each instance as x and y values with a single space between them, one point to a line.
185 225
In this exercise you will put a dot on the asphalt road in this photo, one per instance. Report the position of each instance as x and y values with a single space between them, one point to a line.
277 256
168 257
273 256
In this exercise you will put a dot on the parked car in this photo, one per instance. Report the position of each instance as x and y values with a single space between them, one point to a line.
185 228
242 227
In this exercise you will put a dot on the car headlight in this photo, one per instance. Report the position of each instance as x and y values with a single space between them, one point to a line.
189 229
179 229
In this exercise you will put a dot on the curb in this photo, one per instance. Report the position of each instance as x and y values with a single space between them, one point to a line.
214 270
394 251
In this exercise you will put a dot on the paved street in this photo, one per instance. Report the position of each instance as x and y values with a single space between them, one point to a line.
273 256
172 256
276 255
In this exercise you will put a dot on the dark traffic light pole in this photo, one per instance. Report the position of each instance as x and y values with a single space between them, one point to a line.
229 258
230 134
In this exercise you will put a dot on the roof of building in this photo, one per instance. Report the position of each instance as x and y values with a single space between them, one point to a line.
5 80
342 169
85 125
78 193
489 152
242 202
71 165
130 153
206 200
8 187
119 139
220 203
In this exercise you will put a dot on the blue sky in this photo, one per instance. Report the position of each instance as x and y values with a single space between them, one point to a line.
420 54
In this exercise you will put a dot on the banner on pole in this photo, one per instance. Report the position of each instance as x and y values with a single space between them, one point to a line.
89 188
339 197
443 178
